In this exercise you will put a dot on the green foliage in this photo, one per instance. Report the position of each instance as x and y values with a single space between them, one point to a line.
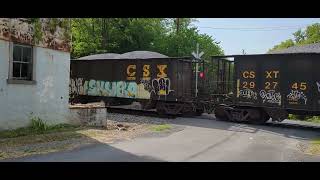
37 29
314 119
309 36
120 35
283 45
38 125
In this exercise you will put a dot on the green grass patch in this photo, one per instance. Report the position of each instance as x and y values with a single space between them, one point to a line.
37 126
162 127
314 119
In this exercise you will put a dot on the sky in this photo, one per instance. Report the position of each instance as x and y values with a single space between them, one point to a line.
253 35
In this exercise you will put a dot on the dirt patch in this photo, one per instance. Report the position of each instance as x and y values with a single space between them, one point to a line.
310 148
117 127
64 141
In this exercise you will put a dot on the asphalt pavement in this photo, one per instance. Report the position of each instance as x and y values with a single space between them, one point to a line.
199 140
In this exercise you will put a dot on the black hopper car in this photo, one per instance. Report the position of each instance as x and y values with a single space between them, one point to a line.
165 84
252 88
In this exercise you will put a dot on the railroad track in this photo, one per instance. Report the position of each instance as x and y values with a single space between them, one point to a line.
137 112
153 113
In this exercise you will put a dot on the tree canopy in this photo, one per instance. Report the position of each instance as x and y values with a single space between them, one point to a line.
170 36
309 36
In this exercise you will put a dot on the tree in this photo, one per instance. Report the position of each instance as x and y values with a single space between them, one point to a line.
170 36
309 36
312 34
283 45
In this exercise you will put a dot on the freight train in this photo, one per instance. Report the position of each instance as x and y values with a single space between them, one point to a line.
250 88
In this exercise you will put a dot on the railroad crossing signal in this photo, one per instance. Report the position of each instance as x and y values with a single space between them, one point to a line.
196 54
201 74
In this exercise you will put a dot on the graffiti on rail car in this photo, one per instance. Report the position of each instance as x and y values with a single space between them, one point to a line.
248 93
318 85
125 89
145 88
161 87
76 86
295 96
270 96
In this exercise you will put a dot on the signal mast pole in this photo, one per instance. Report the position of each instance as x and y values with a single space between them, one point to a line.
197 57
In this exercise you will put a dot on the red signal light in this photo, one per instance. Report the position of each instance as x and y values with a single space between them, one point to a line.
201 74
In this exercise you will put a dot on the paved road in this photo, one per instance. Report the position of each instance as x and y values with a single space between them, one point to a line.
200 140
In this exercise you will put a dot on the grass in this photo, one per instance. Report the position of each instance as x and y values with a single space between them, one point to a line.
37 126
161 127
33 138
314 119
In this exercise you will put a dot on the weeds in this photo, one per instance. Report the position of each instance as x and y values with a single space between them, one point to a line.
37 126
161 127
315 119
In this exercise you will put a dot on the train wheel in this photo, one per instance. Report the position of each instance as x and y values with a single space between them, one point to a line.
160 108
258 116
220 113
199 112
188 110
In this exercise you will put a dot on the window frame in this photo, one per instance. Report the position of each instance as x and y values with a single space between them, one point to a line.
14 80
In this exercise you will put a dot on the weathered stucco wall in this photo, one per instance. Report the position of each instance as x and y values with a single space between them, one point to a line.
47 99
53 33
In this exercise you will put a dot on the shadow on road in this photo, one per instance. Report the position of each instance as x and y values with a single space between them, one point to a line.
91 150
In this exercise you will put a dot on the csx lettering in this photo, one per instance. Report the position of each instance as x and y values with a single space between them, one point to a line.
131 72
162 73
269 74
146 70
247 74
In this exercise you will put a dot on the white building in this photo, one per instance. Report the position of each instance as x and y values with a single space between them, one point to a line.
34 70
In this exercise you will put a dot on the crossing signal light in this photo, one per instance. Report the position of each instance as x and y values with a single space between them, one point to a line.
201 75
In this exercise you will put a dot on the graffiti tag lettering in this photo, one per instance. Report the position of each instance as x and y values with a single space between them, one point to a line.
270 96
318 85
294 96
248 93
161 87
76 86
105 88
